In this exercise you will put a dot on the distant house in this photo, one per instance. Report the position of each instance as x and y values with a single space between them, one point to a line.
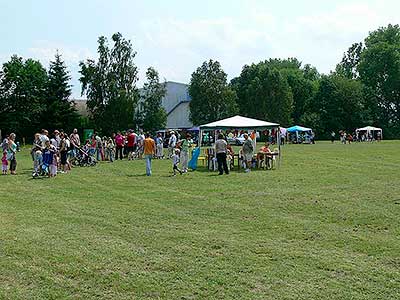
81 107
175 103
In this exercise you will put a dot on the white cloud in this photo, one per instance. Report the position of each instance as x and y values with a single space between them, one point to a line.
316 38
45 51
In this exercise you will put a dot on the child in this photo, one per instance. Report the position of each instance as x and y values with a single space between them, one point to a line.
53 166
4 163
175 162
110 150
48 157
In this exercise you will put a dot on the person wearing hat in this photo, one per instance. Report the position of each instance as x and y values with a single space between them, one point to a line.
171 144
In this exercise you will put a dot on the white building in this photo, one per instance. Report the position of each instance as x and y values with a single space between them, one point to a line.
175 103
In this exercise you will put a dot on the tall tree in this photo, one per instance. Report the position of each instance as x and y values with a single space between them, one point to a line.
110 85
264 93
302 82
379 70
154 115
59 112
212 98
338 105
23 91
348 67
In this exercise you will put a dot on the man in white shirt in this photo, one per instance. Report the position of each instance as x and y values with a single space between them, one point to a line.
44 137
171 144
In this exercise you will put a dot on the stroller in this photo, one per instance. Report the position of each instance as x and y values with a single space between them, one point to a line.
84 158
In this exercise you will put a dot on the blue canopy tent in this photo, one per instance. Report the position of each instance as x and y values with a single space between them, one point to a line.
296 129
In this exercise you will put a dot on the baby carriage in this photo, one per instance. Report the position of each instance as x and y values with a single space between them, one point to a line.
84 158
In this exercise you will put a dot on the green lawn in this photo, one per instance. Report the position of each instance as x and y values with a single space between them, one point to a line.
323 226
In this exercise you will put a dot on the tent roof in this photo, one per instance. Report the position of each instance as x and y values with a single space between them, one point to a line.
238 122
298 128
369 128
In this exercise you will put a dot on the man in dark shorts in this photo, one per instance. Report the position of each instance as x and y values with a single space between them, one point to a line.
131 144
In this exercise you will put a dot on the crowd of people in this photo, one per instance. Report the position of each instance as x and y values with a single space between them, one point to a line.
357 136
59 152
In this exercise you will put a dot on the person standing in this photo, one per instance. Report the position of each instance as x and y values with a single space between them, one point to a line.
333 134
247 149
312 137
75 141
140 144
149 149
55 140
175 162
110 150
131 141
4 163
99 147
221 148
184 145
63 154
160 146
11 152
44 136
171 144
119 144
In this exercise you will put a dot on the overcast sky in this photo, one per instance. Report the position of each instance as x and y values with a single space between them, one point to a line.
176 36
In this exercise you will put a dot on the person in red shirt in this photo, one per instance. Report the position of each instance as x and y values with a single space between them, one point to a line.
131 138
119 143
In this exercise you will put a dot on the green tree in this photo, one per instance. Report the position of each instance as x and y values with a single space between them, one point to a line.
338 105
212 98
22 94
110 85
59 112
379 69
154 115
348 67
264 92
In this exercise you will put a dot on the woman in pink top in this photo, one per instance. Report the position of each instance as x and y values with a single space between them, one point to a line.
119 143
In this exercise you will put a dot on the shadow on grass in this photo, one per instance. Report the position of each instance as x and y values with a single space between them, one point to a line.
137 175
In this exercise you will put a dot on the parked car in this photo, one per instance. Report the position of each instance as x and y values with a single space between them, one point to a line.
236 140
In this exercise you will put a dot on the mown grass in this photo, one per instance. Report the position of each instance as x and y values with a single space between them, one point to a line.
323 226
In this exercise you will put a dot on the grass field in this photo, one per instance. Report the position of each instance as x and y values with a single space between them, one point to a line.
326 225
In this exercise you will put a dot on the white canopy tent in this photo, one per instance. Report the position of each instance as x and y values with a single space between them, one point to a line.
370 129
239 122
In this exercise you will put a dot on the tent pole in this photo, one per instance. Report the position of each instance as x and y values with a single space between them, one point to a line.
278 138
200 138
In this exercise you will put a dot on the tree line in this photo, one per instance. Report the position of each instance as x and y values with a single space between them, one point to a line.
32 97
364 89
